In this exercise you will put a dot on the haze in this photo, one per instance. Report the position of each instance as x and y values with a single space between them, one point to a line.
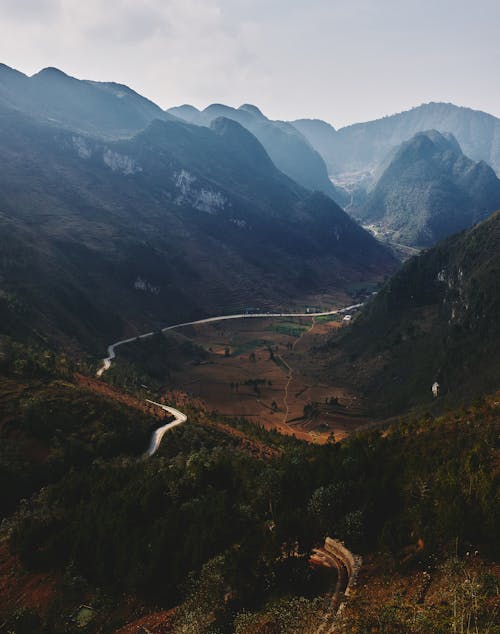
339 60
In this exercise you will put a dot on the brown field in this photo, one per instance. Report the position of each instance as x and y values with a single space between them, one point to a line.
259 369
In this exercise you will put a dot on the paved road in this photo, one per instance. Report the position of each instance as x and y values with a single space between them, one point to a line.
158 434
106 363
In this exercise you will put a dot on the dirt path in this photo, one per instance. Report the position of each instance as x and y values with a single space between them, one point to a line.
290 375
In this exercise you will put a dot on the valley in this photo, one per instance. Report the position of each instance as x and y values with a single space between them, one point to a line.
257 369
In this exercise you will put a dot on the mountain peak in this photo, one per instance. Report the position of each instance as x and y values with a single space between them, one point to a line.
50 71
248 107
313 123
187 107
440 141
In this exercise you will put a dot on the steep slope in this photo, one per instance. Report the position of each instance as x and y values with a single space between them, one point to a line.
437 319
430 190
105 109
106 238
288 148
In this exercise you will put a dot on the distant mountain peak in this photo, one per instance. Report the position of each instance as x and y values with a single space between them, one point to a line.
248 107
51 71
188 106
215 106
441 141
319 123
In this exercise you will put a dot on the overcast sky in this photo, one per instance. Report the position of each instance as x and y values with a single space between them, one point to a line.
339 60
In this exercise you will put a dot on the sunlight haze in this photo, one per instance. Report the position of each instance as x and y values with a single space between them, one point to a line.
341 61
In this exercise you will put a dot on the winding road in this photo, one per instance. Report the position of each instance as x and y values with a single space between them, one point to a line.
158 434
106 363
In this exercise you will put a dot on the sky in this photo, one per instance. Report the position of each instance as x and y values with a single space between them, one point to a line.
339 60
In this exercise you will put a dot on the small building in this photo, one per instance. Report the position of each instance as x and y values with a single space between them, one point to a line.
347 319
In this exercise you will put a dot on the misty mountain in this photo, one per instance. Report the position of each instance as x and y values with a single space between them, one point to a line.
429 190
98 108
288 148
361 147
323 137
102 238
437 319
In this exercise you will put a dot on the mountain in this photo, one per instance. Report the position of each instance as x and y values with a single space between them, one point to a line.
322 136
290 151
430 190
99 108
437 319
102 238
360 148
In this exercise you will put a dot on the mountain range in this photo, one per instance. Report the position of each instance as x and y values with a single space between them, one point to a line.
358 149
110 236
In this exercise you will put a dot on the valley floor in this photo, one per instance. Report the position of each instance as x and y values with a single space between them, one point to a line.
263 370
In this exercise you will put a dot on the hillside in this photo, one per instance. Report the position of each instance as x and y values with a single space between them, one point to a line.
285 144
437 319
361 147
106 238
428 191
